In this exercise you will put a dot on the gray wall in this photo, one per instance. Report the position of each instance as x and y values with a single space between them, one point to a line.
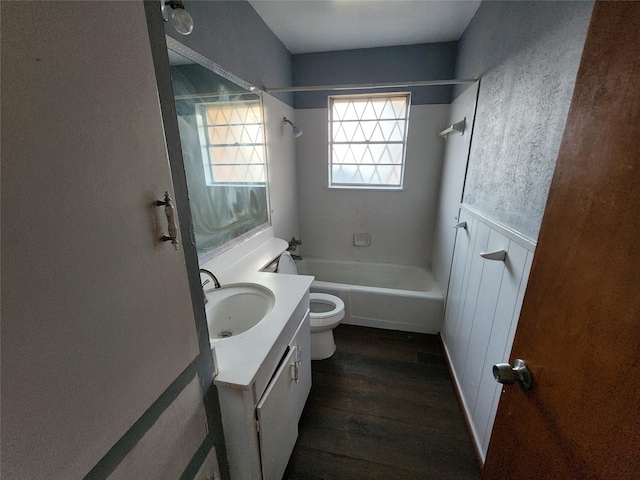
429 61
527 55
232 34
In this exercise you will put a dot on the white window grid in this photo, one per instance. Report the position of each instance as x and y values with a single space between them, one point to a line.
367 140
232 141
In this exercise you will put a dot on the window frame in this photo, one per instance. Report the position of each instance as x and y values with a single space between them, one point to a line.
333 122
206 144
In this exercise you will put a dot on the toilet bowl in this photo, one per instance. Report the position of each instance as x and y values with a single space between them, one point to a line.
326 313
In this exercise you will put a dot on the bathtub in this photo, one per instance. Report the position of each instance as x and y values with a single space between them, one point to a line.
394 297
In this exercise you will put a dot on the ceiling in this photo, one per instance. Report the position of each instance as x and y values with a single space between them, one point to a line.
306 26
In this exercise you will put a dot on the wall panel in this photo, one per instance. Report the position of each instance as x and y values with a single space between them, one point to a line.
481 313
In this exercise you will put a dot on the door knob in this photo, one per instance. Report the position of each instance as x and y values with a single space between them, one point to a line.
510 374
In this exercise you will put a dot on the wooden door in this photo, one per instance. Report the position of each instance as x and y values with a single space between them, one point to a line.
579 329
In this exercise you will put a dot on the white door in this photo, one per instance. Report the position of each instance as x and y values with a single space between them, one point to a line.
97 318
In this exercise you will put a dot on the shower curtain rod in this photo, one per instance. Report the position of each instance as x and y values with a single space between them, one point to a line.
366 86
212 95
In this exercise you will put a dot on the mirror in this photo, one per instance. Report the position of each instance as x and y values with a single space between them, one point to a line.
222 134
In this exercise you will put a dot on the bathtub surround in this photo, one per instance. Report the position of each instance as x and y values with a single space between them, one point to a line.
454 171
400 221
282 167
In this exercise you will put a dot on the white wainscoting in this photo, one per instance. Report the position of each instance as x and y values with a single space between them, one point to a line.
481 314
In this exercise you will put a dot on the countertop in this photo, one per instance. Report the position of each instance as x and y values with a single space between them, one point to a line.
249 358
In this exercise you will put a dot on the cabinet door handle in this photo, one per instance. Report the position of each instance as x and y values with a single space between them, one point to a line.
295 372
172 226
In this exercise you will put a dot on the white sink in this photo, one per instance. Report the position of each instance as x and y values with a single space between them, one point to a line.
234 309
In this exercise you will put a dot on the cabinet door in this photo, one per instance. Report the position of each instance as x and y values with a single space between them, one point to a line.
278 427
302 342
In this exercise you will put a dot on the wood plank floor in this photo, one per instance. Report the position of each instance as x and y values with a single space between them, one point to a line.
383 407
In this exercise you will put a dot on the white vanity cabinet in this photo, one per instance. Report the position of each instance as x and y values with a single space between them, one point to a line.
261 421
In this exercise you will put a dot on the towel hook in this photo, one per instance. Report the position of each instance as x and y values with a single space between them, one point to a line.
456 127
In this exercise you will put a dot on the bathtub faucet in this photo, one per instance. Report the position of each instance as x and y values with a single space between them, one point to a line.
293 244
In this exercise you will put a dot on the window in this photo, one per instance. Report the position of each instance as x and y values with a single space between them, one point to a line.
232 142
367 140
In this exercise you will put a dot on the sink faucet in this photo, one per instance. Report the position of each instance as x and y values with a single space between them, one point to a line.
216 283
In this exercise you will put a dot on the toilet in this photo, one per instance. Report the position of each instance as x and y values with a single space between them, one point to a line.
326 313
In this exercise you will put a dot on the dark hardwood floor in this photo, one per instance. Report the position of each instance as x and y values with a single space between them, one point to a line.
382 407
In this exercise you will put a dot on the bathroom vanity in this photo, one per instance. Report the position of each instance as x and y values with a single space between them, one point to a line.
264 373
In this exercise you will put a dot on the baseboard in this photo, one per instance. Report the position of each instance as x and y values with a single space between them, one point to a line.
475 440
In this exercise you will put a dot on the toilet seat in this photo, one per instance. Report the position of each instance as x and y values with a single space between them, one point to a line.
286 264
321 323
333 316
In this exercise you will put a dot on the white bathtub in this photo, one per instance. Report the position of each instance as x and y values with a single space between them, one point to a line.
394 297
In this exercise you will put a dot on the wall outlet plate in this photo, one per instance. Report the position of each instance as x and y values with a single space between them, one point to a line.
209 469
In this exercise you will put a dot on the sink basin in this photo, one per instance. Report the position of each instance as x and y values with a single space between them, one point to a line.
234 309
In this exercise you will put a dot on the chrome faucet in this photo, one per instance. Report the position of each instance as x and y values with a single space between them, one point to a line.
216 283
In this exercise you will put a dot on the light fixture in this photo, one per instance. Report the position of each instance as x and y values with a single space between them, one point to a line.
296 131
180 18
